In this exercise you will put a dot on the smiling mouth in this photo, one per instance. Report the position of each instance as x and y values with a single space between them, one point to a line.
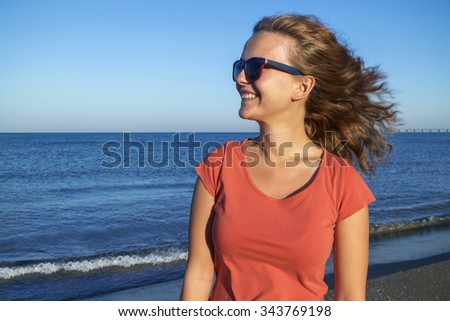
247 96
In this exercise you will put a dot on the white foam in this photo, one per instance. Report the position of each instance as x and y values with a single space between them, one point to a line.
405 226
156 258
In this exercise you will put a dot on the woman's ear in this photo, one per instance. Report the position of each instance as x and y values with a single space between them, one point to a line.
302 87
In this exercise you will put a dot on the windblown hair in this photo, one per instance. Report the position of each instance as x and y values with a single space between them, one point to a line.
349 112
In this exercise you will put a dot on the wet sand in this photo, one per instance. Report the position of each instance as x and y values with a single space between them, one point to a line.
425 279
427 283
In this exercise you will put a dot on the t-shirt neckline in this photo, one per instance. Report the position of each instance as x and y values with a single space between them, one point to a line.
295 194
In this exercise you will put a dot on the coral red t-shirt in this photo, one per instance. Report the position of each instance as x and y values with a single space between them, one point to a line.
276 249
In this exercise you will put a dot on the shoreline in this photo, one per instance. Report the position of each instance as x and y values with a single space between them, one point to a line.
426 279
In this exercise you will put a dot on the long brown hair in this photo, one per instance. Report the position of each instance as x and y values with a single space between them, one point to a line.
349 113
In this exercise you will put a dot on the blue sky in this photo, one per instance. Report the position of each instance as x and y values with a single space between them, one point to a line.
135 65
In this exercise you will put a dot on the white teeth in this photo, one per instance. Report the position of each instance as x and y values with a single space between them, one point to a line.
247 96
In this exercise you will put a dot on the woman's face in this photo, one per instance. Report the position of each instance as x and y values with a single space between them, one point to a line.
268 98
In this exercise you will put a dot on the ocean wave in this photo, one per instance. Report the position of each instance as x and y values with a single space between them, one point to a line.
408 226
92 264
122 187
436 208
170 255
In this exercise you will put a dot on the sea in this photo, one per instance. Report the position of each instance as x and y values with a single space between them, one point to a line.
88 214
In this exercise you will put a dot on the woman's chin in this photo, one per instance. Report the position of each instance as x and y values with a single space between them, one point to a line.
247 112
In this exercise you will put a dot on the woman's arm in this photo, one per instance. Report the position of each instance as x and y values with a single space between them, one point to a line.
351 256
200 267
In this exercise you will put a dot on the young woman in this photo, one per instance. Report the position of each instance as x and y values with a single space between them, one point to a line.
266 212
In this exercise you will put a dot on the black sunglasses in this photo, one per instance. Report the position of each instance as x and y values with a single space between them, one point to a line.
253 68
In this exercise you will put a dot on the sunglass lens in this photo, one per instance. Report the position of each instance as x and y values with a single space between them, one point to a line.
253 69
237 67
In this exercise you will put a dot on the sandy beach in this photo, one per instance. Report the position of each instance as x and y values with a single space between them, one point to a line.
420 280
427 283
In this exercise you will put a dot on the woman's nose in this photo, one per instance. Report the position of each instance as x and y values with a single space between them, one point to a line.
241 79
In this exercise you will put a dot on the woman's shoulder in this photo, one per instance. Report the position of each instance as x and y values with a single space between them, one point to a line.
337 166
333 160
345 182
227 150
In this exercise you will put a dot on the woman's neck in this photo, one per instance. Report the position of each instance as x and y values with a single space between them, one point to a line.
286 142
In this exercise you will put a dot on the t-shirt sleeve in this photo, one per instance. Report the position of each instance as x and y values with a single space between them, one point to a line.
209 169
353 192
